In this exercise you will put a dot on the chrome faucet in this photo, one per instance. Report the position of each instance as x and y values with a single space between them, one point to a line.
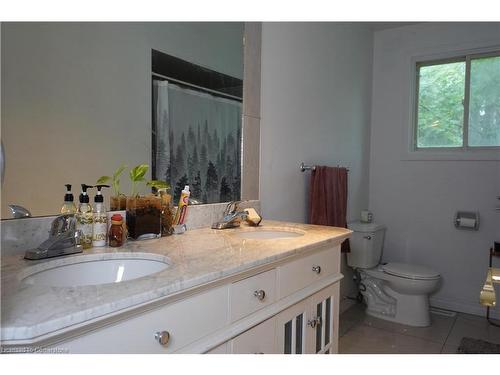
64 239
233 217
19 212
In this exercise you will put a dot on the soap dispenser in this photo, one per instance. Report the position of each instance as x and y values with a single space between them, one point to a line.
68 206
100 219
84 218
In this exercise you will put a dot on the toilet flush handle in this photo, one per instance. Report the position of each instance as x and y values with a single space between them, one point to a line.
367 237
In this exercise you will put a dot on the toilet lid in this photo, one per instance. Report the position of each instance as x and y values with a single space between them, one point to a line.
358 226
410 271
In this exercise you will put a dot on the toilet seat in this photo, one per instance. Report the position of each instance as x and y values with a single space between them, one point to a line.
410 271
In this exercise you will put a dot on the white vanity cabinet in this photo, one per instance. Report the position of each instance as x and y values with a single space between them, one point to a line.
310 325
287 307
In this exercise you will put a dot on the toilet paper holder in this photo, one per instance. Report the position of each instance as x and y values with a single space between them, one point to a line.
466 220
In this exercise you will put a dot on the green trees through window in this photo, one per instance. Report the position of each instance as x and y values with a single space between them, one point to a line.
442 120
484 107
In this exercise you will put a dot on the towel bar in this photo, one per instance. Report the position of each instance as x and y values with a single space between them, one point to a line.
303 167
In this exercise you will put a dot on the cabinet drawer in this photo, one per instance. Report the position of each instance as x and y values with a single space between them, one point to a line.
302 272
245 297
185 321
260 339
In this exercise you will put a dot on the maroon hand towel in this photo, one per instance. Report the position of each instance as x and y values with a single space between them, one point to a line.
328 198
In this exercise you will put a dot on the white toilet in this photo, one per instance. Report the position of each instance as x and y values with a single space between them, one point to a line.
398 292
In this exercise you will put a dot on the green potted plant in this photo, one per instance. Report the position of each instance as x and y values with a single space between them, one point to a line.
118 200
144 211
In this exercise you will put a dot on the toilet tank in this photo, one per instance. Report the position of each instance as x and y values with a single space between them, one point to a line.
366 242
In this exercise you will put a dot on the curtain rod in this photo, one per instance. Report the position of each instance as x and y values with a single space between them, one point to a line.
200 88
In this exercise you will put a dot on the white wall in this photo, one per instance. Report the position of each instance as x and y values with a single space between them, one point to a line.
417 199
315 107
76 98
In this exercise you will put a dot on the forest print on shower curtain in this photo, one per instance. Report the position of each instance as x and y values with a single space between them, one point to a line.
198 142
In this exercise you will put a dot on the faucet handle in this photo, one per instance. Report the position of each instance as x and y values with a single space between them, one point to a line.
252 217
62 224
231 207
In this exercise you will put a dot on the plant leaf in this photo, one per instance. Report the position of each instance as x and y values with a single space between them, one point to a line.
119 171
102 180
137 173
158 184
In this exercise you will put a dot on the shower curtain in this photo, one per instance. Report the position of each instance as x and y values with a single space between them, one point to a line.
198 142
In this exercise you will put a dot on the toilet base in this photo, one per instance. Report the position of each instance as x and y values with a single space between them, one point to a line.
410 310
383 302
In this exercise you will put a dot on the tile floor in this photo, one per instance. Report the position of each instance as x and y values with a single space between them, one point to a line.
363 334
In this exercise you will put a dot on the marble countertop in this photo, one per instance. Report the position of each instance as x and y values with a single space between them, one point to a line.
195 258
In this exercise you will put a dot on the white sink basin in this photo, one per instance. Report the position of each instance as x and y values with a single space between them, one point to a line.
268 234
95 270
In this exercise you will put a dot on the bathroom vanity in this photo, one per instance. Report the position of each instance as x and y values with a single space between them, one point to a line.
270 289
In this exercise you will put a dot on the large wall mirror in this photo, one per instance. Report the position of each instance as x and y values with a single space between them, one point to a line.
81 99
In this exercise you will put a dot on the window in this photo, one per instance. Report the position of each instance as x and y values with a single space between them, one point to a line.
458 103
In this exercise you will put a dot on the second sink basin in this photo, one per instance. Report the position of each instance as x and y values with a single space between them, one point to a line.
268 234
90 270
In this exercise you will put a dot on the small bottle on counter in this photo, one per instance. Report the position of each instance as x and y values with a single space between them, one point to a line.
84 217
115 235
68 206
100 219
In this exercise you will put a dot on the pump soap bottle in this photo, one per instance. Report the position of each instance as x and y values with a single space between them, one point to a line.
100 219
84 218
68 206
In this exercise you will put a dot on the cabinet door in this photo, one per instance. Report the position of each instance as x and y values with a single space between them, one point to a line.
324 321
291 329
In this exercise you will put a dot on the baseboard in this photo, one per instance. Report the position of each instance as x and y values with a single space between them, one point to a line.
474 309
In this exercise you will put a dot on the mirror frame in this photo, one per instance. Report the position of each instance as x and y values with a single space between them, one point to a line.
250 176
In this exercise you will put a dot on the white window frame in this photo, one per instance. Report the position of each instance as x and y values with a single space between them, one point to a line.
465 56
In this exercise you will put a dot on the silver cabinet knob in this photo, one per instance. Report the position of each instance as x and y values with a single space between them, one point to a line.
367 237
317 269
260 294
314 322
162 337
